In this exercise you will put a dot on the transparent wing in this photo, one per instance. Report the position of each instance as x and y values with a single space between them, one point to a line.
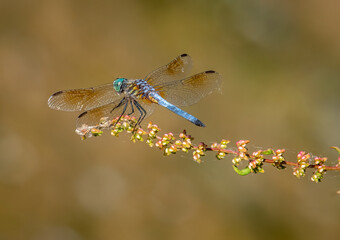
83 99
190 90
113 110
175 70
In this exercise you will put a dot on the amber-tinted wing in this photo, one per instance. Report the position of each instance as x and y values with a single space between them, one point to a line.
83 99
113 110
190 90
175 70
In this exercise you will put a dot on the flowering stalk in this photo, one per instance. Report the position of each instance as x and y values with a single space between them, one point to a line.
169 144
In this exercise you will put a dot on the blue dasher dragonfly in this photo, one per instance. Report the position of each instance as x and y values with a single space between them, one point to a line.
167 86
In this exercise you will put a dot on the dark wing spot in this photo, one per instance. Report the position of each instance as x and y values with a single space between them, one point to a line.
57 93
81 115
210 71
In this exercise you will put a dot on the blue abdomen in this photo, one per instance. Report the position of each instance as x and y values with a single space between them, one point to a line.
176 110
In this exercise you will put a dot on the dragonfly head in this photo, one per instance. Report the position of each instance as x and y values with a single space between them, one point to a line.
118 84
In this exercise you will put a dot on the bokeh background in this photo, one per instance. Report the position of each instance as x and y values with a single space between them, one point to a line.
280 62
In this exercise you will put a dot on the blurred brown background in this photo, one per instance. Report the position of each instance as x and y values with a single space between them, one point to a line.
280 63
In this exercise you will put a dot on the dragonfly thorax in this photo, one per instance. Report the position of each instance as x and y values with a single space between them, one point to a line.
138 88
143 88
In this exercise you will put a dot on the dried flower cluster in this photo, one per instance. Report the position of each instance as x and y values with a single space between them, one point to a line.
170 145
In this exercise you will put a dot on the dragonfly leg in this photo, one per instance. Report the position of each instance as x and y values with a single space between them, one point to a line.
142 113
123 101
132 109
119 104
121 114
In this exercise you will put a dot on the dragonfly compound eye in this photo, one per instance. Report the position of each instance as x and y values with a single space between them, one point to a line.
117 84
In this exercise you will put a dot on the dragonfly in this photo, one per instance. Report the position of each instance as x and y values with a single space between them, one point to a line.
167 86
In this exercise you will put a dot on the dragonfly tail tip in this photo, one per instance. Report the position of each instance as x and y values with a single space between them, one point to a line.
199 123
